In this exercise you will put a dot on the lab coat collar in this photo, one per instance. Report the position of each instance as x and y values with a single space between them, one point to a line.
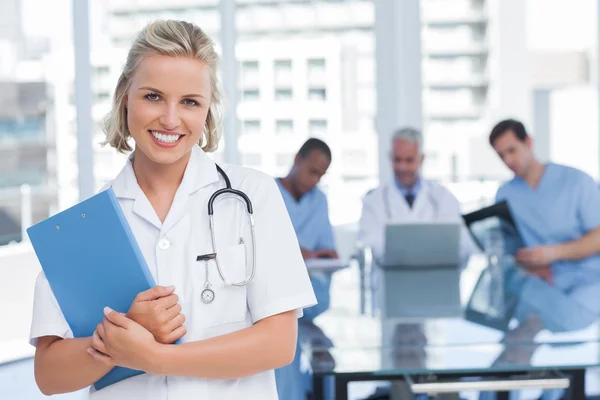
200 172
405 190
396 205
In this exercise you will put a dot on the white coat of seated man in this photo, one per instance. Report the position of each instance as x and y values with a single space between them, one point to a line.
408 198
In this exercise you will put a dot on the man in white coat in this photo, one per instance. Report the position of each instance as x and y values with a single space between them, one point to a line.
408 197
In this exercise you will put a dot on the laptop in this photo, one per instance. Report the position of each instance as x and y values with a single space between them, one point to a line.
419 258
422 245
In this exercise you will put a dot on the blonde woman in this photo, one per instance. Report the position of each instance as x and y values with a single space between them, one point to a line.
244 326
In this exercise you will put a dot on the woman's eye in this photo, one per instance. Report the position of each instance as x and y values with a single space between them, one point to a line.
153 97
190 102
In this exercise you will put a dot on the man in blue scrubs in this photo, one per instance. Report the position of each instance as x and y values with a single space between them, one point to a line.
309 212
557 212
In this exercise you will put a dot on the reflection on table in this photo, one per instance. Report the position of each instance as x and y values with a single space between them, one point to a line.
538 328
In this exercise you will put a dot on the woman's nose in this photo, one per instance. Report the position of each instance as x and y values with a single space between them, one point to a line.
170 118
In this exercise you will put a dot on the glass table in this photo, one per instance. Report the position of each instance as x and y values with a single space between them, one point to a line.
539 338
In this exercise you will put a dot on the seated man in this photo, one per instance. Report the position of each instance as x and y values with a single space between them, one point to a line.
408 198
557 211
308 210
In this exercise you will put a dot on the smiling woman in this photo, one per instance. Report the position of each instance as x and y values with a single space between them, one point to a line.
152 107
167 100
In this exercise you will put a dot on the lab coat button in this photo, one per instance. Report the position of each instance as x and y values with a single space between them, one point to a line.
163 244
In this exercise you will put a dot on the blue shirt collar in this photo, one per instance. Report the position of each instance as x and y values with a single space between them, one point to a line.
303 198
405 190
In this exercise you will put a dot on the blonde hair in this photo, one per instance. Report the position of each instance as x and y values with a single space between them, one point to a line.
167 38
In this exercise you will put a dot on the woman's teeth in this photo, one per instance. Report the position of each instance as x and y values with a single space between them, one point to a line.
161 137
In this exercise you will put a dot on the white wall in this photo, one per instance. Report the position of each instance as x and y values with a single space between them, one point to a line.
574 128
561 25
509 94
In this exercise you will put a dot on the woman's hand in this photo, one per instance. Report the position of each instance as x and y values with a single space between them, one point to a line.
98 351
121 341
157 310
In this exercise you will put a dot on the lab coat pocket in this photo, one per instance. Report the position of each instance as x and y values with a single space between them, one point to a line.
229 302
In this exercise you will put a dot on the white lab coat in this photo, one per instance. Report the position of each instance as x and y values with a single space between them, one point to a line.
281 282
386 204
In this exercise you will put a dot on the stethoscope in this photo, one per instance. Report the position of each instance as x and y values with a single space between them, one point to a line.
208 294
388 207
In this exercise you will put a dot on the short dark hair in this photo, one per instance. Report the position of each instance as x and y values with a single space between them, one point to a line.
314 144
508 125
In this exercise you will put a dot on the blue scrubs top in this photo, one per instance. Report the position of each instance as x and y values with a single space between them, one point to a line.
563 207
310 218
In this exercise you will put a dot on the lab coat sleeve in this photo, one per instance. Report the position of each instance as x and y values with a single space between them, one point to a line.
371 228
468 247
281 281
48 319
589 204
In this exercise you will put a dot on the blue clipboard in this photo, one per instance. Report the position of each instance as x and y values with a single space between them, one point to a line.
92 260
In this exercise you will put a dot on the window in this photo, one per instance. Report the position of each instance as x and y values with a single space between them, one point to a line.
250 95
317 94
22 129
282 65
317 127
251 127
283 94
284 159
102 96
251 159
316 65
316 70
250 73
249 66
101 71
283 71
284 127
